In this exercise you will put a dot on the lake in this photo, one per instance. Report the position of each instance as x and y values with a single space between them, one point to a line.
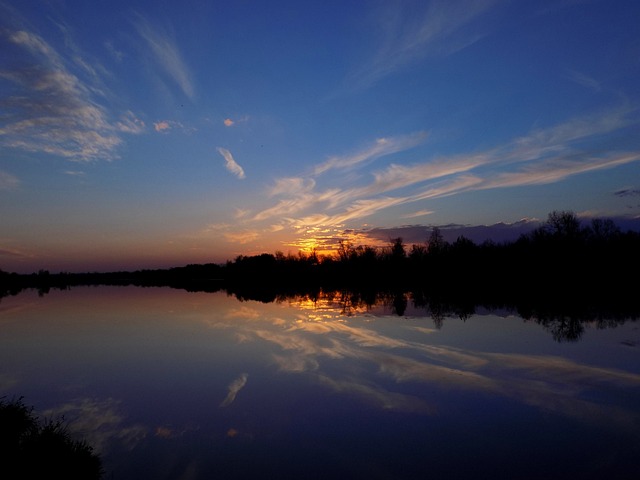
170 384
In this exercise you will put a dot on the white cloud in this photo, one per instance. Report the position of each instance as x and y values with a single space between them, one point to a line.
161 126
419 213
380 148
399 176
36 45
292 186
129 123
167 55
231 164
543 156
52 110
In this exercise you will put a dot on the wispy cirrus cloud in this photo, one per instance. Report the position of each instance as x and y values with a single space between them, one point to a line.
557 169
399 176
230 163
8 181
543 156
242 237
12 252
584 80
51 110
358 209
294 186
419 213
75 173
410 32
129 123
380 148
166 54
297 194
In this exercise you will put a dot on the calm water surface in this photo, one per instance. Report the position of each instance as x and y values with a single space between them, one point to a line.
168 384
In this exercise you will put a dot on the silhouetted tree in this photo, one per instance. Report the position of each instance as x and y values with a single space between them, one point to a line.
436 243
345 250
603 230
418 252
563 224
398 252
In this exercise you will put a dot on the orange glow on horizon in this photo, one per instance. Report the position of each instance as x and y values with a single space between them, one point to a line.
325 240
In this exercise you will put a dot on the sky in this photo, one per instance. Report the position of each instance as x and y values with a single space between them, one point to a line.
139 134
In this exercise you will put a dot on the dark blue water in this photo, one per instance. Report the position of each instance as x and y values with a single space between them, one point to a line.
168 384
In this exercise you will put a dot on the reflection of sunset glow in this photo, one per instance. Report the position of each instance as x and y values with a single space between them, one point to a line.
328 306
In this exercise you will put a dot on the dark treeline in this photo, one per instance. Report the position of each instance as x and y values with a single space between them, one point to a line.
561 264
565 321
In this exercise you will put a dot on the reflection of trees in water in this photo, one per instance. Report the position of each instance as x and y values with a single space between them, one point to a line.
568 325
565 321
563 329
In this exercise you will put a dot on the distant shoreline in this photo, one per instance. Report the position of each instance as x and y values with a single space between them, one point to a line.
561 266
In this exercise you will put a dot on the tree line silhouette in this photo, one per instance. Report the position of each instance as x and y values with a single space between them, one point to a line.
562 263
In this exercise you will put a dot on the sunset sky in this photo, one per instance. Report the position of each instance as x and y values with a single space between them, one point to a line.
139 134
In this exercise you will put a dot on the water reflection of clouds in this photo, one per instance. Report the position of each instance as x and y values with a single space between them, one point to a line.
310 339
564 386
99 423
296 362
234 387
372 393
243 312
248 313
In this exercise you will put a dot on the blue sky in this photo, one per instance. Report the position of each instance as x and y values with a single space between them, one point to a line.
151 134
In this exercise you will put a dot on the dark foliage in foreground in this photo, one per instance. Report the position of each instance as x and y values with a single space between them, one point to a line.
560 267
32 449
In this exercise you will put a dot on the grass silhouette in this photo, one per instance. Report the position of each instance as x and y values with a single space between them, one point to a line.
32 448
